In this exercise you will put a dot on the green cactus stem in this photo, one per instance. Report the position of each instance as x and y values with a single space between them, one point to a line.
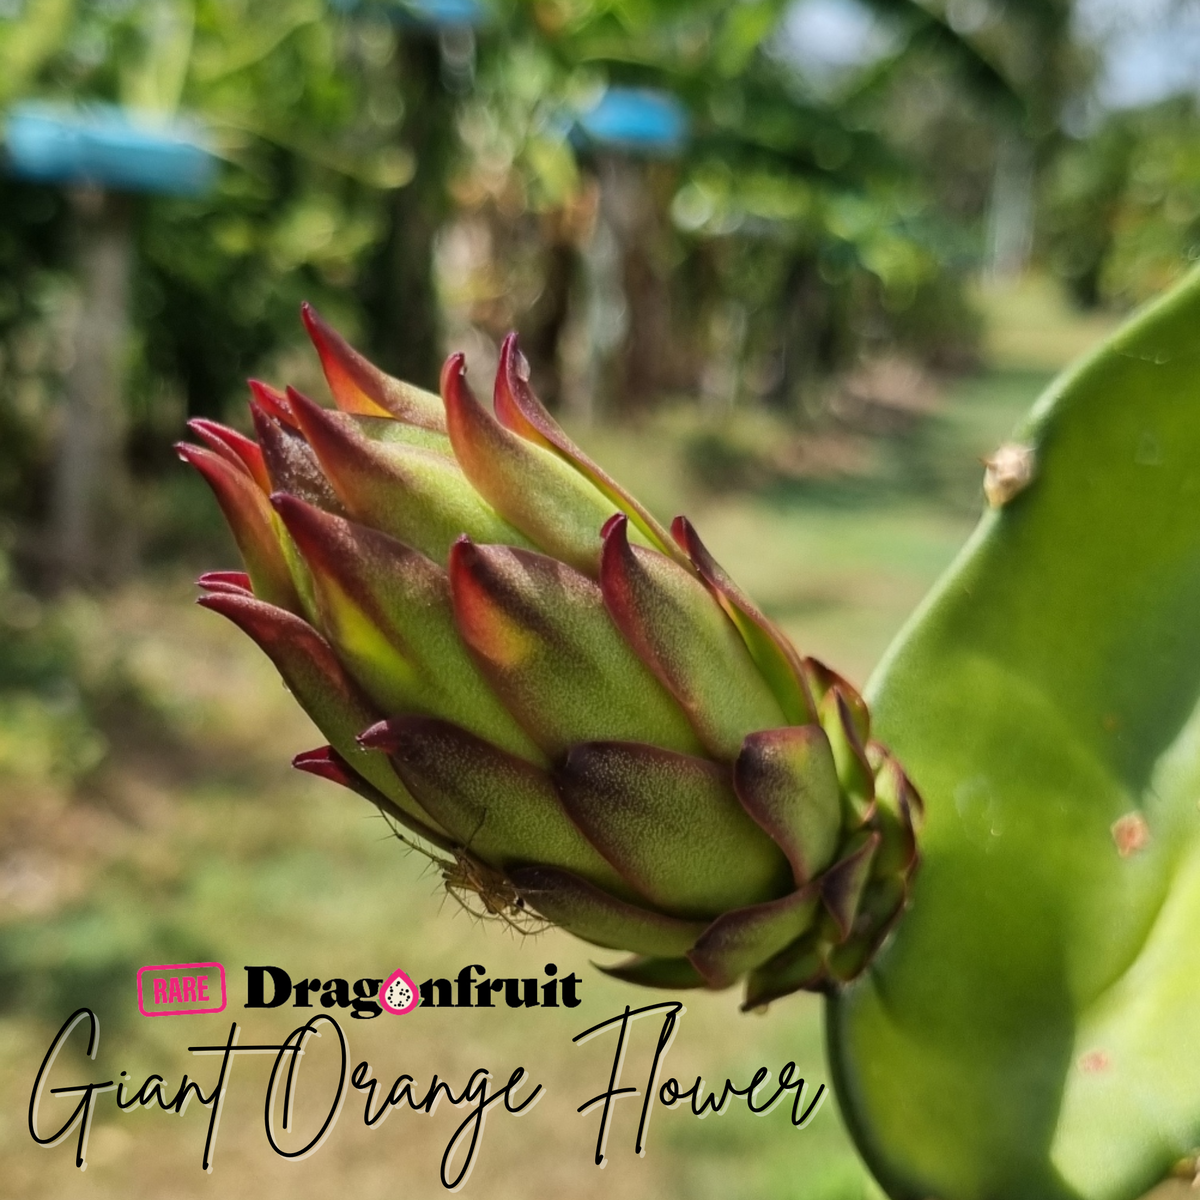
1032 1030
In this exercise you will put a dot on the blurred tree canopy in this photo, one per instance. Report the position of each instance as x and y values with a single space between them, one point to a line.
427 181
1123 205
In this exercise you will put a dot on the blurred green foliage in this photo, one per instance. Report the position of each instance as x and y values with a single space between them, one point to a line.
352 142
46 732
428 186
1123 204
32 255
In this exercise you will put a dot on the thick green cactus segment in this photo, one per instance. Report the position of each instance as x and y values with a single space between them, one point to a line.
1033 1028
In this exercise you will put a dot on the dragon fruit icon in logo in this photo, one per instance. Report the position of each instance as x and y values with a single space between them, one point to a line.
399 994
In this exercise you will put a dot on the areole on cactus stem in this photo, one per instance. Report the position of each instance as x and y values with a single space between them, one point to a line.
573 708
1032 1029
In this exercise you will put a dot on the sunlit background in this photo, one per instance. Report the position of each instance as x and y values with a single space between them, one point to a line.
793 267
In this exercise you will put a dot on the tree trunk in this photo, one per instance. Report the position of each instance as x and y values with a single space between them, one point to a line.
628 205
1010 215
543 327
803 318
398 292
91 539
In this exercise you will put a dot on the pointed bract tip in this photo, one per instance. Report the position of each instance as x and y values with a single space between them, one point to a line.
326 763
229 582
285 502
201 426
842 885
330 345
314 530
512 359
291 509
278 632
517 409
617 521
684 535
454 372
295 396
226 603
379 736
307 412
463 557
616 557
320 332
210 577
270 401
216 468
236 447
215 602
267 425
463 411
394 735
